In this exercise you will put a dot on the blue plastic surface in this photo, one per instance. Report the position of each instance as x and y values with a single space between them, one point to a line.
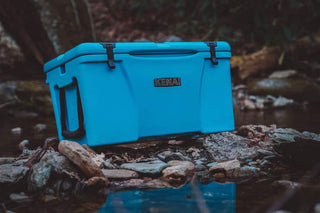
123 105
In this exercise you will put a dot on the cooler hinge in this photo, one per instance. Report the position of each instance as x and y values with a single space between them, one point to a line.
109 47
212 45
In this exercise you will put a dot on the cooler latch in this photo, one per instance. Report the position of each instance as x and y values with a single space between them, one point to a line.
109 47
212 45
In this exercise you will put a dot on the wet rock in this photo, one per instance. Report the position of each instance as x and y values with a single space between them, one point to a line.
204 177
244 172
286 184
178 169
150 168
7 160
39 176
7 91
59 162
228 167
227 146
248 104
20 198
97 182
109 165
119 174
282 135
265 152
173 38
16 131
39 128
175 142
297 89
195 152
283 74
80 157
23 144
139 183
10 173
282 101
200 167
169 155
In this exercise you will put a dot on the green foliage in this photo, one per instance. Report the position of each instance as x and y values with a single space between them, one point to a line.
264 22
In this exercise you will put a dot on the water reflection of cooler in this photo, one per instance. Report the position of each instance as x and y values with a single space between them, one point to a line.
106 93
215 197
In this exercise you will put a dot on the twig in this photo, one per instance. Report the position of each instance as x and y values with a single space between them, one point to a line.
39 154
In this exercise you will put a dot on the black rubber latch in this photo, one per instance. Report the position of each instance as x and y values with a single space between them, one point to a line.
109 47
212 45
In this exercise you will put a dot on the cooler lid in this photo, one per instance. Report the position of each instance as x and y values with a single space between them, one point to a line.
135 48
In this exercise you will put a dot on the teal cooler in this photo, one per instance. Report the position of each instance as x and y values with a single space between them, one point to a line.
107 93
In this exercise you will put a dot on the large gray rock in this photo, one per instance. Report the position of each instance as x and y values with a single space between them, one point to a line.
10 173
119 174
150 168
227 146
39 176
59 162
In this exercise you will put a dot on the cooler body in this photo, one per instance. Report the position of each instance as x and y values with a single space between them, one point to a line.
107 93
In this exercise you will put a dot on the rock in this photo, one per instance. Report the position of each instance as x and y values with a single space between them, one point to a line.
317 208
244 172
200 167
228 167
66 185
265 152
97 182
80 157
23 144
48 198
287 184
16 131
7 160
142 40
219 175
150 168
39 176
209 165
119 174
139 183
59 162
204 177
39 128
297 89
169 155
7 90
195 152
173 38
10 173
282 101
98 159
175 142
109 165
178 169
311 135
20 198
282 135
227 146
248 104
283 74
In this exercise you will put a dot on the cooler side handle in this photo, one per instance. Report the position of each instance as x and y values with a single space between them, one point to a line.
80 132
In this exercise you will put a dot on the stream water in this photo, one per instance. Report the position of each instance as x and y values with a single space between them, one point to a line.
251 196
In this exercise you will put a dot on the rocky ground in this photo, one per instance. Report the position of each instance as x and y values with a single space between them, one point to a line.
66 169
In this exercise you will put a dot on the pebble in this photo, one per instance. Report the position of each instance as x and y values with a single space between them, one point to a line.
248 104
265 152
119 174
170 155
228 167
16 131
283 74
40 128
173 38
282 101
175 142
